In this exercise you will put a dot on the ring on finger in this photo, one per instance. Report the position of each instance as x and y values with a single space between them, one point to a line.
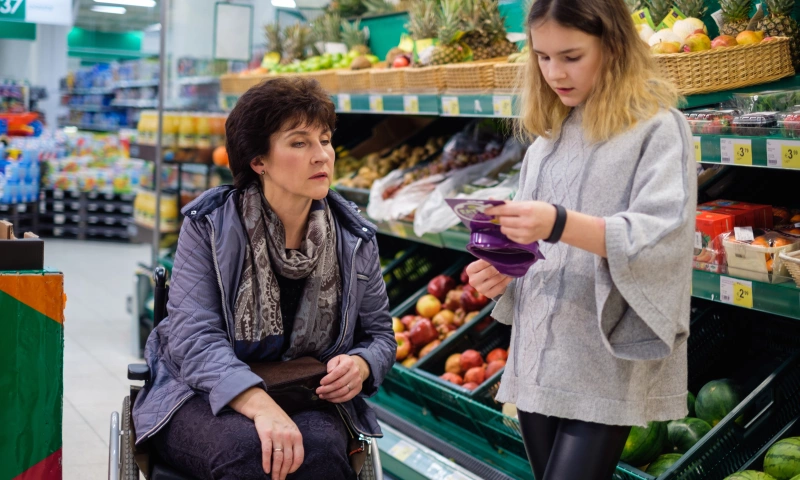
277 449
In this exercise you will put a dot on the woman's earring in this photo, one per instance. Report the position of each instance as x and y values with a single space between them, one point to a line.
263 172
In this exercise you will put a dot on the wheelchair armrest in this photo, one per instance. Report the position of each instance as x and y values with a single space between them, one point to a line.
138 371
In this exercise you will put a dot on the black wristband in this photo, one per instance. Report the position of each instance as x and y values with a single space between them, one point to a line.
558 226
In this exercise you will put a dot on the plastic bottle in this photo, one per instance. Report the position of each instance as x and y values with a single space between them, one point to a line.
187 135
171 126
203 131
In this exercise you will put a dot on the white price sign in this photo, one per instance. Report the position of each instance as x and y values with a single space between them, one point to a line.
501 105
345 103
736 151
410 104
736 291
376 103
698 240
450 106
783 153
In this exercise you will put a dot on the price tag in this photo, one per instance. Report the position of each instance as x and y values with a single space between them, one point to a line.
501 106
398 229
376 103
698 240
743 234
735 291
735 151
698 150
410 104
783 154
12 10
345 103
450 106
402 450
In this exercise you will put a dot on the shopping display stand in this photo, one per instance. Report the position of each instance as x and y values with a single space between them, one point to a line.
32 385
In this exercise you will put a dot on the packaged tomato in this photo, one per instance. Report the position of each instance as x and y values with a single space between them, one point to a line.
758 258
709 254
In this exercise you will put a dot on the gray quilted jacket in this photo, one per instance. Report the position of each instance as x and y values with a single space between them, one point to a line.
191 350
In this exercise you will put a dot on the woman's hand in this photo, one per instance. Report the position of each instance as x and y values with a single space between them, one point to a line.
525 222
281 442
346 373
486 279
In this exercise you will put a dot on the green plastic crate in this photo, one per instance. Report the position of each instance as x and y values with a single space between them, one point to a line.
792 429
415 267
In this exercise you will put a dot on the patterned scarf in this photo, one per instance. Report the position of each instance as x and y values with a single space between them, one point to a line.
257 312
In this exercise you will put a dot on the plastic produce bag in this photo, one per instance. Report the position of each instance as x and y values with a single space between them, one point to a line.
435 216
401 192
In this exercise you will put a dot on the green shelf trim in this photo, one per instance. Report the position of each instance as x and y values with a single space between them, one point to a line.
779 299
456 105
711 149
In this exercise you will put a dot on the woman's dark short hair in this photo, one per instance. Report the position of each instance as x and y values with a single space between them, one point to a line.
270 107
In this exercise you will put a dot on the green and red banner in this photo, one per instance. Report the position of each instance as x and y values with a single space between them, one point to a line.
31 375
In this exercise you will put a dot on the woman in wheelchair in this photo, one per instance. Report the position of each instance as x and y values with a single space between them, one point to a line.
274 268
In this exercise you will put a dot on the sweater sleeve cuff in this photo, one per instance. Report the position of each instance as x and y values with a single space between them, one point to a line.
231 387
503 310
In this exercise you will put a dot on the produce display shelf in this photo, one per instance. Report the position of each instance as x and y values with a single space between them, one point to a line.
135 103
137 83
90 91
90 108
695 101
772 151
448 105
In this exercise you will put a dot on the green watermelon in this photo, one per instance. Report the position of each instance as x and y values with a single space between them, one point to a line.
716 400
690 399
783 459
662 464
683 434
749 475
796 478
644 444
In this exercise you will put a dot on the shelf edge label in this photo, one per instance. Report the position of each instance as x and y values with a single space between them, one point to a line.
345 102
735 291
783 154
736 151
450 106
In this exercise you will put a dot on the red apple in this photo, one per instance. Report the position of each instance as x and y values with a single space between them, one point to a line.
470 385
423 333
408 321
464 276
428 306
453 364
470 359
452 300
475 375
429 347
460 317
472 300
397 325
400 61
410 361
440 285
494 367
470 316
403 346
497 354
452 378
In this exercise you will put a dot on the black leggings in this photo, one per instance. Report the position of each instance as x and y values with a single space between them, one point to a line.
561 449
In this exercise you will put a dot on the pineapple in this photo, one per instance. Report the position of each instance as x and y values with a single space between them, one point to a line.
779 23
486 32
272 32
379 6
449 50
692 8
659 9
422 19
296 40
735 16
355 37
327 28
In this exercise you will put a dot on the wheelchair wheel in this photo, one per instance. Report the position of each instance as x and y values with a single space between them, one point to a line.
128 470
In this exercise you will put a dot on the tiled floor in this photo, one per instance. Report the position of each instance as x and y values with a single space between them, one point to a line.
97 278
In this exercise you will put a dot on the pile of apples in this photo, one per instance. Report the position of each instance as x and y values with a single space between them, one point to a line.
691 35
447 306
468 369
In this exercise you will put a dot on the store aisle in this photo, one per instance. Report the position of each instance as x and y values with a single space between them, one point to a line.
97 279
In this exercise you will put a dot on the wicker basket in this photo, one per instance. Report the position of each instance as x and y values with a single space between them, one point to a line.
728 68
471 76
508 76
424 79
238 84
389 80
791 261
327 79
353 81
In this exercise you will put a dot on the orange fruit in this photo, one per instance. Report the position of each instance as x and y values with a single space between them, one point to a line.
795 219
220 157
769 265
795 231
781 242
760 242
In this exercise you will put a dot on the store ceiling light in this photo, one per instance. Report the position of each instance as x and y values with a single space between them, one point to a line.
130 3
284 3
105 9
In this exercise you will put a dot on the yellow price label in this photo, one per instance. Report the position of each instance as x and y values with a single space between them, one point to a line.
411 104
742 154
742 295
698 150
345 103
790 156
501 106
375 103
397 229
450 106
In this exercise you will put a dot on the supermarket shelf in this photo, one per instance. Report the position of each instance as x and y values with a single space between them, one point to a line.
772 151
89 91
90 108
479 105
200 156
694 101
779 299
137 83
135 103
197 80
91 128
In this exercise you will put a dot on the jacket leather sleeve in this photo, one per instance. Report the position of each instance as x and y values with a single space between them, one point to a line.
198 336
373 337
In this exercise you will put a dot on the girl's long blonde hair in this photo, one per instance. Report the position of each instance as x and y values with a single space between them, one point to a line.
629 87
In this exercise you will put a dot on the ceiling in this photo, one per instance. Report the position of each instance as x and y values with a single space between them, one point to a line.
134 19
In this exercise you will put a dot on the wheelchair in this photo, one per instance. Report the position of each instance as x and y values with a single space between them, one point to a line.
126 460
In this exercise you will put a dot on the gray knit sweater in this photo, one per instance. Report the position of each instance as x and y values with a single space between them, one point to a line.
604 340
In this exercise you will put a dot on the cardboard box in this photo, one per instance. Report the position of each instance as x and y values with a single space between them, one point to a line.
762 214
20 254
709 254
741 218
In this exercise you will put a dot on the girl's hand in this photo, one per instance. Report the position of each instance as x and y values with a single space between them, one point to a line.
486 279
281 442
525 222
346 374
